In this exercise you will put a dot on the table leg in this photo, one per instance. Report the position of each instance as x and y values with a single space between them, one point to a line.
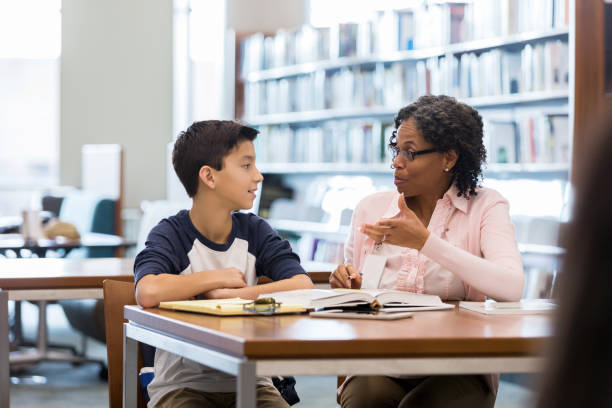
246 392
130 370
4 350
17 325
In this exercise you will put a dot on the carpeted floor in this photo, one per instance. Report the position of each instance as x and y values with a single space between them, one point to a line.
71 387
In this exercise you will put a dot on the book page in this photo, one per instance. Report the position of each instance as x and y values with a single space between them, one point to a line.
302 297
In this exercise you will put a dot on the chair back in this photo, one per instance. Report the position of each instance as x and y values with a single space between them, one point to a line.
152 213
89 212
116 295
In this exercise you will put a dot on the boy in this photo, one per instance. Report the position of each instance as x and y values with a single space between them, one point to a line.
214 252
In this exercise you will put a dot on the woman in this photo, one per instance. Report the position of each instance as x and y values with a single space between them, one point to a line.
439 233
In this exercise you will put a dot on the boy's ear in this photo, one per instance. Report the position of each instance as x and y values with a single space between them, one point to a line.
207 176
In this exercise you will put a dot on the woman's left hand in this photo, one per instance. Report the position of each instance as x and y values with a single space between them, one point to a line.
404 230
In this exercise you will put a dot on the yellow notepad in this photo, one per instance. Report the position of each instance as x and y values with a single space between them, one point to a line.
224 307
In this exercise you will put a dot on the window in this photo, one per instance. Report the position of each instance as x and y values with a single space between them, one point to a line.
30 47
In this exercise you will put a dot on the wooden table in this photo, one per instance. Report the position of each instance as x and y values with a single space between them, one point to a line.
15 242
49 279
437 342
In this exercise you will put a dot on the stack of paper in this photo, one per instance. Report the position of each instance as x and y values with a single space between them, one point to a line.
525 306
224 307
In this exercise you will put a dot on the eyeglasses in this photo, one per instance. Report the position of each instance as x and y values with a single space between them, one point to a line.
263 306
408 155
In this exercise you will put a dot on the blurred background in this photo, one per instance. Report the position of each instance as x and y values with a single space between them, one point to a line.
93 94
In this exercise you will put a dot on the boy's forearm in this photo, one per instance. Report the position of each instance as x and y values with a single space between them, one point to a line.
153 289
300 281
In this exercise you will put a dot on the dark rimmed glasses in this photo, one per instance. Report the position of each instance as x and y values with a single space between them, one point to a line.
408 155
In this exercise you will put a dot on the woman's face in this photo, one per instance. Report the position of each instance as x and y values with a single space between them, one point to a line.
425 174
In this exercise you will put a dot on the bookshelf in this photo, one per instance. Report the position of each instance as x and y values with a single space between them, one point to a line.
526 169
411 55
324 98
383 113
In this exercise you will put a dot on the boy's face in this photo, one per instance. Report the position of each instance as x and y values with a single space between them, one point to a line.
238 179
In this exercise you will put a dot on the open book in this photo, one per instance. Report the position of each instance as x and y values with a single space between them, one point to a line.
525 306
227 307
335 298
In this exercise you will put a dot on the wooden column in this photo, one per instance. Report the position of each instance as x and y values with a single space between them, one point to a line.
590 98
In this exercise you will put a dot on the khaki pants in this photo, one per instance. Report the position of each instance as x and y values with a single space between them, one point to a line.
267 397
447 391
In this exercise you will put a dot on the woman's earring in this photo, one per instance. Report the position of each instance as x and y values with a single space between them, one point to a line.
447 170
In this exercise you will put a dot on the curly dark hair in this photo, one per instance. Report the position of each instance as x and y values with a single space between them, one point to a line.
449 125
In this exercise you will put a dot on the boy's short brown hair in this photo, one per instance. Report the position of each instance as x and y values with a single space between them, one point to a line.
206 143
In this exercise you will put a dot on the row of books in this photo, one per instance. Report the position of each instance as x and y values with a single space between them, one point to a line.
540 138
327 251
335 142
428 25
315 249
528 139
534 67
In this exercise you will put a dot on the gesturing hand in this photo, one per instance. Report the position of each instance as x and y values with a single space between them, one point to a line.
340 277
405 230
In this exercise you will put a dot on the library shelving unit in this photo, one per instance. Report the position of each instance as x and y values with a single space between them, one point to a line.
331 113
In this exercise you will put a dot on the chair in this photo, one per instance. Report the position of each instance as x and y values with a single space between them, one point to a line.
89 212
116 295
152 213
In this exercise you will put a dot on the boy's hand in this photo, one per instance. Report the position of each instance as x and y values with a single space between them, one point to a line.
229 278
221 293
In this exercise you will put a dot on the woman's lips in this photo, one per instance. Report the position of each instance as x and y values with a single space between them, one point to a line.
399 181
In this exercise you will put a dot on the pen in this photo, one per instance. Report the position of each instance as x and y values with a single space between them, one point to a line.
351 276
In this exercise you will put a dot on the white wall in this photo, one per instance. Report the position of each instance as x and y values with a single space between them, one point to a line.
116 87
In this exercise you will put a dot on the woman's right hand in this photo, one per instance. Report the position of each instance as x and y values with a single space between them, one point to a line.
346 277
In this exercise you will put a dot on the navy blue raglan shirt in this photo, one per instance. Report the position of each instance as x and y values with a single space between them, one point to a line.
175 246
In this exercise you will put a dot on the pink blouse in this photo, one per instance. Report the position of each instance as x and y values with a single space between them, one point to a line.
471 250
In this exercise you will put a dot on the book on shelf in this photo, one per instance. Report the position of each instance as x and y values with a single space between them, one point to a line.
405 29
356 141
525 306
228 307
501 141
348 298
531 138
327 251
544 138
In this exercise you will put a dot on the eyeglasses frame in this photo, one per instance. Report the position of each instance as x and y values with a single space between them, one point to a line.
409 156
